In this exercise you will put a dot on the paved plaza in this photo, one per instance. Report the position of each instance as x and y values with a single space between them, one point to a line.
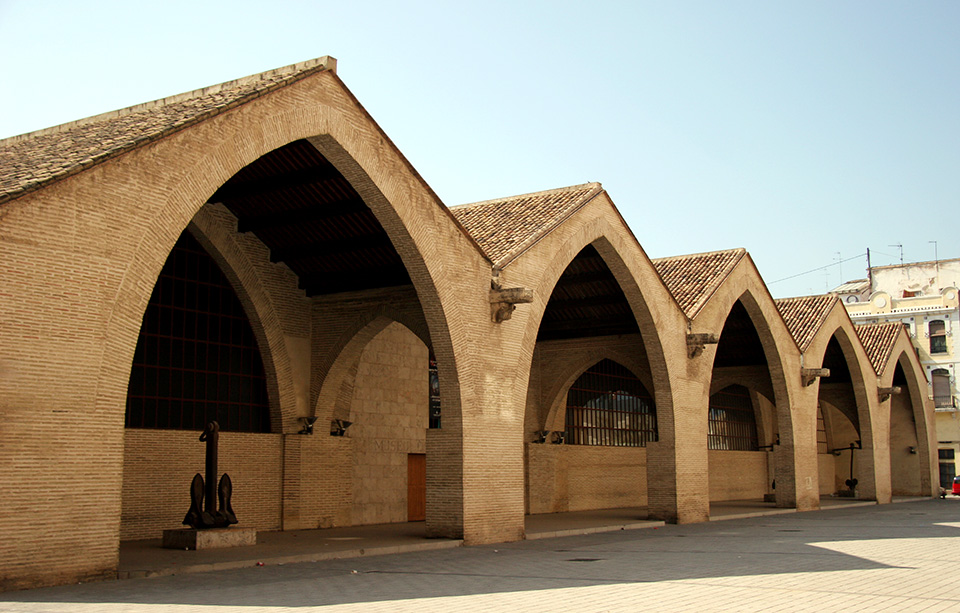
898 557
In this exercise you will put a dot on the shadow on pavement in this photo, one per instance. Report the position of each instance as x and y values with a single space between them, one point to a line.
791 543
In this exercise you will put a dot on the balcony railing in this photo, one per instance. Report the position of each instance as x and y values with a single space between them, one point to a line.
944 402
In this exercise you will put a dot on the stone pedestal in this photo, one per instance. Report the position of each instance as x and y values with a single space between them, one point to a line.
189 538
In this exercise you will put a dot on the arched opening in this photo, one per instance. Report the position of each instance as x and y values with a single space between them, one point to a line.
742 421
905 464
307 258
590 406
846 413
835 433
609 406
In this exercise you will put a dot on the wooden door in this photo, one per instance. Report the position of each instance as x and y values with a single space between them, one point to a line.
416 487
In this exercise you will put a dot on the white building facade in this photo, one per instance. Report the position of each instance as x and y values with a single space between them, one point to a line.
923 296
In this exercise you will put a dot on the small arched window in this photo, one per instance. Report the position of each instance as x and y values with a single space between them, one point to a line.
938 336
942 398
608 405
732 424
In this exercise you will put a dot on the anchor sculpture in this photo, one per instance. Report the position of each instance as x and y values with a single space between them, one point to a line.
204 512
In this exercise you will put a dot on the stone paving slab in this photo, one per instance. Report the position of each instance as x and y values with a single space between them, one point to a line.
149 559
897 557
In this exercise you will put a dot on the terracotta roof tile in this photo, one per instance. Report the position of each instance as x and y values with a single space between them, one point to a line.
805 315
30 161
693 279
878 341
505 227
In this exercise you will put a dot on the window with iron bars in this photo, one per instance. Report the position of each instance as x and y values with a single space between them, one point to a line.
608 405
732 425
196 359
938 336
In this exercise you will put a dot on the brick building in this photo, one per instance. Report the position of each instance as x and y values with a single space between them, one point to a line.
259 252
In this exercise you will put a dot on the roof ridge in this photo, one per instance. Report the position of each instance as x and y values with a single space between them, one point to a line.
700 254
292 70
879 355
804 316
807 297
692 288
592 184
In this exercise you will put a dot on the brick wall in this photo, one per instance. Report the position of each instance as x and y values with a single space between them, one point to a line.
160 464
580 477
738 475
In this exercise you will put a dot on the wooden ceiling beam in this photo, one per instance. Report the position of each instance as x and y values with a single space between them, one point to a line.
281 219
354 245
234 189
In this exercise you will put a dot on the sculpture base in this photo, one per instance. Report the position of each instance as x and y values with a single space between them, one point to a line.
190 538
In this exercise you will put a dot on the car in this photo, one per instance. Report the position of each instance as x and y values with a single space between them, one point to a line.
956 486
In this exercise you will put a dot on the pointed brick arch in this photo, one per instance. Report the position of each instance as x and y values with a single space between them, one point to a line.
797 449
336 390
243 261
872 462
395 194
628 272
903 361
558 393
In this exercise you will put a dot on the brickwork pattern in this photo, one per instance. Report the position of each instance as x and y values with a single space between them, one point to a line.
389 415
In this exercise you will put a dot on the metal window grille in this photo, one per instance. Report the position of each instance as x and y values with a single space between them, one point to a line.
821 434
731 424
938 336
608 405
196 359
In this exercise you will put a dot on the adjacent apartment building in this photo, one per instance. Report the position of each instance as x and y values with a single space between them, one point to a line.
923 296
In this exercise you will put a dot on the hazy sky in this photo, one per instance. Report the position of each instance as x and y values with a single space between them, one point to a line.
804 132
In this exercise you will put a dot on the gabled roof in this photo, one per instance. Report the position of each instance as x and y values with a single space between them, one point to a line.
506 227
33 160
694 278
804 316
878 341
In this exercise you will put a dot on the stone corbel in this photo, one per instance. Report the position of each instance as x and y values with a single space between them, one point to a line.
886 392
697 342
809 375
504 301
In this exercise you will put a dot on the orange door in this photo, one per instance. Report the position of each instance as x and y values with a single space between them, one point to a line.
416 487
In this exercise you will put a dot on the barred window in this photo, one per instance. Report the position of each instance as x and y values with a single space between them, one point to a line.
732 425
608 405
196 359
938 336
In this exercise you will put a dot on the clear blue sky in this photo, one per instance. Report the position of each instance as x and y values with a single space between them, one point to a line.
795 130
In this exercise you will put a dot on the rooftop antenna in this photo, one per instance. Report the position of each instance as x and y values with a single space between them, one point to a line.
840 264
869 271
936 259
900 247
